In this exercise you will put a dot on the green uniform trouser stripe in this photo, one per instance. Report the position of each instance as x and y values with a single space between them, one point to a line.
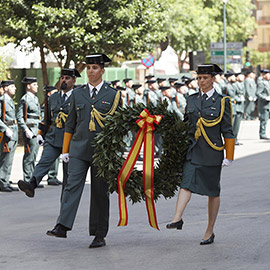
264 117
53 172
99 208
48 157
29 160
237 118
6 160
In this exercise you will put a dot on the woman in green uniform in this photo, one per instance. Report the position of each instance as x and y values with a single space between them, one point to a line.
210 116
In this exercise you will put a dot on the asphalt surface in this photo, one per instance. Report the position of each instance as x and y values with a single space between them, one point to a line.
242 228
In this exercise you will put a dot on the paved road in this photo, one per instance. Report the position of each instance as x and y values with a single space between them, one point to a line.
242 229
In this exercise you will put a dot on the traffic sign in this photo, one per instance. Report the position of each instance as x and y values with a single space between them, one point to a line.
229 45
220 60
148 61
229 52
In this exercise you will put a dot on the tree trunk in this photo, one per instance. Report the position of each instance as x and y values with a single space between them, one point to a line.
43 65
179 62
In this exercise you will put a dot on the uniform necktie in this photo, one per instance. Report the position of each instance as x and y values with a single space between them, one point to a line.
64 98
204 96
94 93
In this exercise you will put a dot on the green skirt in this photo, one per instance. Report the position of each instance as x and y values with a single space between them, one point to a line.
203 180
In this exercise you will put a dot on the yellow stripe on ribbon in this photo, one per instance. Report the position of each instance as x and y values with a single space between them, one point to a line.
145 134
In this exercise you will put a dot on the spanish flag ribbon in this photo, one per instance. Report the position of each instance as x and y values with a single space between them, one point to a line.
145 135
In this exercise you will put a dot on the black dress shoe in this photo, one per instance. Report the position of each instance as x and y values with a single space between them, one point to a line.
175 225
97 242
13 188
5 189
40 186
54 182
27 188
58 231
209 240
263 137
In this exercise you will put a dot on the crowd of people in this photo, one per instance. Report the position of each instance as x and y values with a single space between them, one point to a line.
73 110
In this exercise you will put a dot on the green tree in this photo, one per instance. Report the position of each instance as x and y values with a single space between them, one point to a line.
194 24
73 29
4 60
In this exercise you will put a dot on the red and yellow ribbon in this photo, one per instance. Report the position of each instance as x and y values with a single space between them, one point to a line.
145 135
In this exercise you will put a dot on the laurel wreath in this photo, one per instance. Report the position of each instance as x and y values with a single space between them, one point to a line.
109 151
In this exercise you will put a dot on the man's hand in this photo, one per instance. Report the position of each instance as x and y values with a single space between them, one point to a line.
9 133
65 157
226 162
267 98
40 140
28 134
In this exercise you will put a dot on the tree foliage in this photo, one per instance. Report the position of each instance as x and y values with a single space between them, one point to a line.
4 60
193 24
73 29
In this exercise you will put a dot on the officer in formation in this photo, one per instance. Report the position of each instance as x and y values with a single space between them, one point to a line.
8 134
81 128
263 94
51 133
245 94
28 117
251 98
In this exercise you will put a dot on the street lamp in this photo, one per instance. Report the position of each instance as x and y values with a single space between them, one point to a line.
225 38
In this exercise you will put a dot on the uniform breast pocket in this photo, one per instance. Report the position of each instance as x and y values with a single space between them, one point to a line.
53 110
80 111
190 110
104 107
211 114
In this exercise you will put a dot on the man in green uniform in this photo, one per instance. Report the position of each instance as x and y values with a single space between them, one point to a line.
150 92
28 117
250 90
58 108
179 100
130 96
263 94
239 97
139 93
231 89
8 134
209 114
89 105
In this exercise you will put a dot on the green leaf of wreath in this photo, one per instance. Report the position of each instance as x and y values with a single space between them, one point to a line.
109 151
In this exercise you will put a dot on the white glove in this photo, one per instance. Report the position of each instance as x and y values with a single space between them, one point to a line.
226 162
29 134
267 98
9 132
65 157
40 139
250 98
242 98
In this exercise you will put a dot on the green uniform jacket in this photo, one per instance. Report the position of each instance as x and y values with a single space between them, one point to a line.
239 96
250 89
200 152
81 104
10 116
263 90
33 113
55 135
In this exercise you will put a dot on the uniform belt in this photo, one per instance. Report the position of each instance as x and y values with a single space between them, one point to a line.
54 124
31 125
33 117
11 122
